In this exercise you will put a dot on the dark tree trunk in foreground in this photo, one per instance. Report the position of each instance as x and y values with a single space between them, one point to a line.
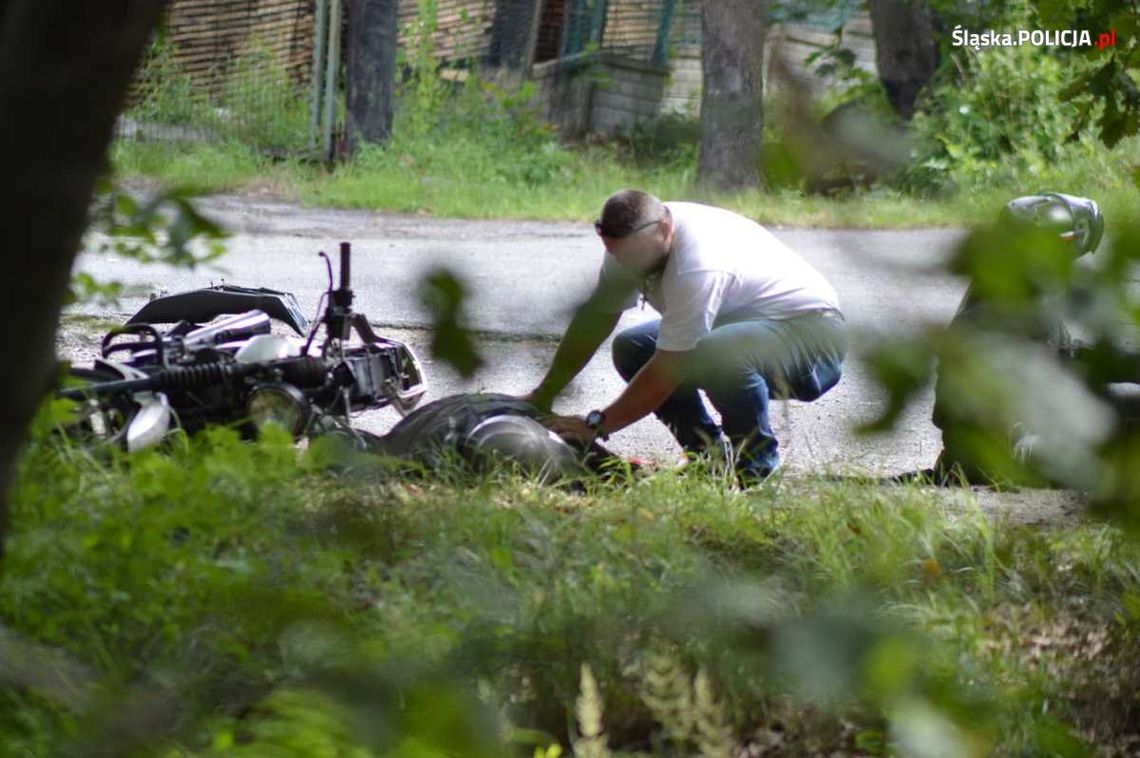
513 33
370 73
906 53
732 59
64 72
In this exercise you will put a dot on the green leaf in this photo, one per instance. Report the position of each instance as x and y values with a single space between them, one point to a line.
1054 14
903 368
443 294
1113 126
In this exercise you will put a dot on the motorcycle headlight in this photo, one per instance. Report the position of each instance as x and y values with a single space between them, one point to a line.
281 404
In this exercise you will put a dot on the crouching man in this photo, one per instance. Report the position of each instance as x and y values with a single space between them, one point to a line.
743 318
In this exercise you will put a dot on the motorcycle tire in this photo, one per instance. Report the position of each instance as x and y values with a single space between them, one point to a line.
100 422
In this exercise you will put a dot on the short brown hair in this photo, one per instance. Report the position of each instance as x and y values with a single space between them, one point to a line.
626 211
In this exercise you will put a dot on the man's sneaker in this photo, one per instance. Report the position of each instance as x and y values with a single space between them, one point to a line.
716 459
752 476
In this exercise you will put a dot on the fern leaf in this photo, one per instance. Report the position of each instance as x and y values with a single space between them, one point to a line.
589 709
713 729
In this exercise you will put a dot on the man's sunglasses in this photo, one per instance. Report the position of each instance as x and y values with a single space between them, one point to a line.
600 229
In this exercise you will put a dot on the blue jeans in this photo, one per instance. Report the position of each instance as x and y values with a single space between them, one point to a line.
740 366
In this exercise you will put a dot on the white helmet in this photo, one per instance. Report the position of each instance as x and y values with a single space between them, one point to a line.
523 444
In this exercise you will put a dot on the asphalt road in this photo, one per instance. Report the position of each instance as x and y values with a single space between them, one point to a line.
526 277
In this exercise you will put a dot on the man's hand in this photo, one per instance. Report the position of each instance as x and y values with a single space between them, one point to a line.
571 429
656 380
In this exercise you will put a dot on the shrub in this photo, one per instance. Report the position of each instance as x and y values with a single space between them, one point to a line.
670 139
1000 114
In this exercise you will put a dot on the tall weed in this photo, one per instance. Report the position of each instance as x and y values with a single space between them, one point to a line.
251 100
476 132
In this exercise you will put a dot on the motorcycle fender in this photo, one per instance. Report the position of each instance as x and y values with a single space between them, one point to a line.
151 423
205 304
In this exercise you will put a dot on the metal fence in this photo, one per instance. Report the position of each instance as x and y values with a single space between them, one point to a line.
227 70
645 30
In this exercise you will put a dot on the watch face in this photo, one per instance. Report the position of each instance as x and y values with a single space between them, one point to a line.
594 420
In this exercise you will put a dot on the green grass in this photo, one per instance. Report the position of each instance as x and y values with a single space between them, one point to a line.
261 601
458 183
205 168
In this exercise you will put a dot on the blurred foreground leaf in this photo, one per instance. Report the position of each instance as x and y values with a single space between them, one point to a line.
443 294
163 228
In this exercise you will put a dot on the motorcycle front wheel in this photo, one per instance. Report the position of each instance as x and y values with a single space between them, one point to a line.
99 421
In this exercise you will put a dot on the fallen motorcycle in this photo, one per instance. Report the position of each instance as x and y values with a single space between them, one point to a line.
220 363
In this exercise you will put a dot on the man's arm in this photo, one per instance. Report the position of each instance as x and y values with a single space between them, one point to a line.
585 334
652 385
645 393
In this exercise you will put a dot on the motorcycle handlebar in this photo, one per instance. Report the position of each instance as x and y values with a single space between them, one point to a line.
345 266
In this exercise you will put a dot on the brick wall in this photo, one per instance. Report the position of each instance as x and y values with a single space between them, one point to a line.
628 92
794 42
599 93
207 36
564 91
621 89
463 27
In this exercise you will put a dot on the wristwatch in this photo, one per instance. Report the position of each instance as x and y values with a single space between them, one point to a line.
595 419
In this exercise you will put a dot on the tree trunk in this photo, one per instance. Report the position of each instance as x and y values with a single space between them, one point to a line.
732 59
906 53
373 36
513 34
65 68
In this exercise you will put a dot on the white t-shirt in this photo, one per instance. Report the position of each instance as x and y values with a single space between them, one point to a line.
724 267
